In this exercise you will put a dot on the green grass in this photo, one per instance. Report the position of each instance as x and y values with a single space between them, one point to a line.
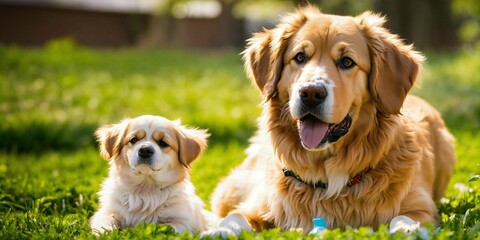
53 98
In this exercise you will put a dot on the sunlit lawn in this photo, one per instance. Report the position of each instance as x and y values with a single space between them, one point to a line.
52 99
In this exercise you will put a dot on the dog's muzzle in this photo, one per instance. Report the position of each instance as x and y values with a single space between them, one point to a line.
312 95
145 155
312 130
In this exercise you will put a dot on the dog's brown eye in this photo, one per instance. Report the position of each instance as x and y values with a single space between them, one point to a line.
162 144
133 140
346 63
300 58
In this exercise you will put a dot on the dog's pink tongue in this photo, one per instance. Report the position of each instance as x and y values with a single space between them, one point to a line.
312 131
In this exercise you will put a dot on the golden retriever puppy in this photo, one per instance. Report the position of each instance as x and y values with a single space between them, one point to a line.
338 136
148 180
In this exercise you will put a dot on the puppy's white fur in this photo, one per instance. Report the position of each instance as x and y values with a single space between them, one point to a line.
232 224
154 189
404 224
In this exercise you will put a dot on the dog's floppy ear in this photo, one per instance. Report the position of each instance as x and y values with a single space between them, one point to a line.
258 63
109 138
263 55
394 65
191 142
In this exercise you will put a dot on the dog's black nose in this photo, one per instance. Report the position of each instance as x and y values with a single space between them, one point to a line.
312 95
146 152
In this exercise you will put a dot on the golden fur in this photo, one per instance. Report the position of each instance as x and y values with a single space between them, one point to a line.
401 138
154 188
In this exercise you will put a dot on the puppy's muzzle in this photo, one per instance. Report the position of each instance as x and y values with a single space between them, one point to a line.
312 95
145 154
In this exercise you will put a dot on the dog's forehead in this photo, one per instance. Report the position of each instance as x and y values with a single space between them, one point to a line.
332 22
340 33
150 124
330 28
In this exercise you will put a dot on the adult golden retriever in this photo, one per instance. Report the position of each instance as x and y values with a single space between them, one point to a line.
338 137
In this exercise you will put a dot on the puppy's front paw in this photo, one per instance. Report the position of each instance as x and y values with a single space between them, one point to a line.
218 232
232 224
99 230
101 222
403 224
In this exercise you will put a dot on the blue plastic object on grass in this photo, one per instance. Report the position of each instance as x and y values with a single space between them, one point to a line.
319 225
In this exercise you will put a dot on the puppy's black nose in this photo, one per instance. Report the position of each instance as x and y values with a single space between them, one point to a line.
146 152
313 94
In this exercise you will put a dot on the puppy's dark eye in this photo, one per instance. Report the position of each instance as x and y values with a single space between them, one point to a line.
162 144
133 140
300 58
346 63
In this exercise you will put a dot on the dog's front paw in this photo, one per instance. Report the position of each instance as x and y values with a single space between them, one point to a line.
404 224
232 224
218 232
102 222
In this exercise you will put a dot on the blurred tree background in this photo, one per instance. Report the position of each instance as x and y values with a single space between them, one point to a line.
430 24
216 24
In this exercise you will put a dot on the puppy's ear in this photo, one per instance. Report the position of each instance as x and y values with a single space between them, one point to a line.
191 142
109 138
394 65
263 55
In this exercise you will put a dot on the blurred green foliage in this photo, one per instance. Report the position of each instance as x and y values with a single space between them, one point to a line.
468 12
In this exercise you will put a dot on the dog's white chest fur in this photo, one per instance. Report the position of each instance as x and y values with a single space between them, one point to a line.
148 205
128 207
